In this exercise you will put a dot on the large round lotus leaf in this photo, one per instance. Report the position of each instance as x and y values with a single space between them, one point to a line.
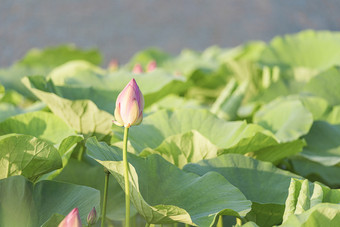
162 124
326 85
184 148
92 175
310 49
323 214
323 144
288 119
26 204
162 193
82 115
76 79
27 155
41 62
261 182
42 125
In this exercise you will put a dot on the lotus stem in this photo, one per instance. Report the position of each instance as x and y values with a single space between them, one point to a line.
239 221
220 221
126 176
107 176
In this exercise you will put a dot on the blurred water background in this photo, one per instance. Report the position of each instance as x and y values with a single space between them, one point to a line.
119 28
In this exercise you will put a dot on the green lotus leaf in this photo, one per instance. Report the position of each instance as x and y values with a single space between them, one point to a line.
310 49
77 79
41 62
26 204
42 125
54 56
323 214
249 224
45 126
156 127
92 175
27 155
326 85
251 51
82 115
53 221
261 182
304 196
287 118
7 110
2 91
173 102
323 144
184 148
229 101
314 171
333 117
162 193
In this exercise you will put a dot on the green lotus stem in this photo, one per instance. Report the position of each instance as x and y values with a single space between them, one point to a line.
81 151
126 176
80 155
147 224
220 221
239 221
107 175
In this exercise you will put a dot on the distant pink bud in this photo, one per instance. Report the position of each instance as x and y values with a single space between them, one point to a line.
113 65
177 73
92 217
137 69
129 106
151 66
71 220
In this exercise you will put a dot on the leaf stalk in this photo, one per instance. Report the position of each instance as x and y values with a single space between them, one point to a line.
107 176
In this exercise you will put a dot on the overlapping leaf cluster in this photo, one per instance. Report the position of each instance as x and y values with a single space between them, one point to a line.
238 133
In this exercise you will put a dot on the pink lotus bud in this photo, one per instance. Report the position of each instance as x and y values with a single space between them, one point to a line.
129 106
113 65
151 66
92 217
137 69
177 73
71 220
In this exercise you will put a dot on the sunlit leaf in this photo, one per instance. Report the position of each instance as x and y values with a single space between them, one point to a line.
162 193
311 49
261 182
287 118
184 148
27 155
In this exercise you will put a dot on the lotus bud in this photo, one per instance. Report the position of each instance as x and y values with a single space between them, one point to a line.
92 217
113 65
177 73
71 220
129 106
151 66
137 69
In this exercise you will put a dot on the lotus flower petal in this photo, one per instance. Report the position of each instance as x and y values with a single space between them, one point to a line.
71 220
129 106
